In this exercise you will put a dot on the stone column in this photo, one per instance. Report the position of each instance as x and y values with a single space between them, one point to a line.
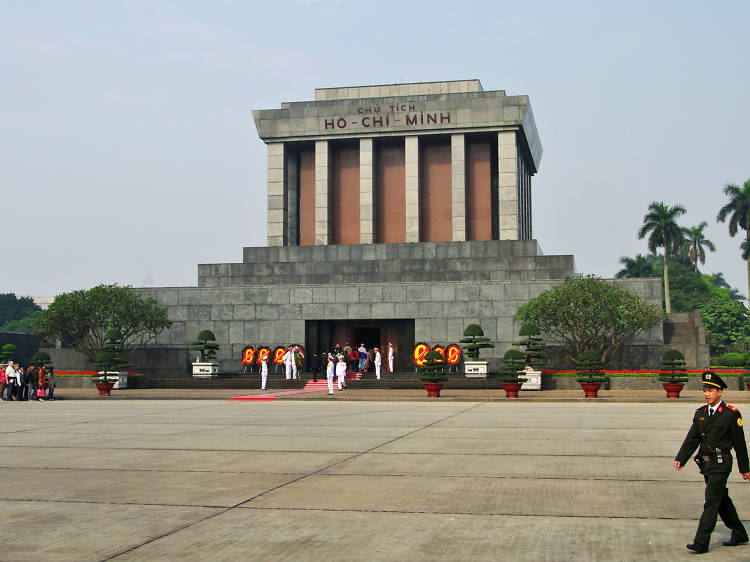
366 193
411 157
507 185
322 183
292 197
277 214
458 191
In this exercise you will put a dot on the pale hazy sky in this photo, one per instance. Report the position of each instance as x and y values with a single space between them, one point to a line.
128 152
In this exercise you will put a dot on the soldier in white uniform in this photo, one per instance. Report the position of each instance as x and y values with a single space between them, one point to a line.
378 362
391 355
264 373
288 363
330 368
341 372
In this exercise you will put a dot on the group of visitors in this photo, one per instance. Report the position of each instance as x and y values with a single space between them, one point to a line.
30 383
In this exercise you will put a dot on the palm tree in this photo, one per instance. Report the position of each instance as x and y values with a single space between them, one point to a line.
697 243
738 211
661 223
639 266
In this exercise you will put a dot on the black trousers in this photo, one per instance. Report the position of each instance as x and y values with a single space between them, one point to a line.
718 503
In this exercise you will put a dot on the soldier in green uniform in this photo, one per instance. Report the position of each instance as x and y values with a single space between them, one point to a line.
717 428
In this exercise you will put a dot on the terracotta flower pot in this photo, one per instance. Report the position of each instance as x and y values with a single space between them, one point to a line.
673 389
511 389
433 389
104 388
590 389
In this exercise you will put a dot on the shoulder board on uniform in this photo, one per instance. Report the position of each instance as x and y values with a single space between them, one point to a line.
732 408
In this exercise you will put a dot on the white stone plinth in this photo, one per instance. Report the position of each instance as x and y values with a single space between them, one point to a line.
475 369
533 380
120 378
205 370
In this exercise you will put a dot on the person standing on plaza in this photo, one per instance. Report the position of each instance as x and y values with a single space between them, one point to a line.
362 352
11 373
716 429
51 385
264 372
378 361
341 372
3 382
41 383
32 377
288 363
330 372
391 357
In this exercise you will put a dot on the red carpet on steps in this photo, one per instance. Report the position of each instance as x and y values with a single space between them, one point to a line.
311 386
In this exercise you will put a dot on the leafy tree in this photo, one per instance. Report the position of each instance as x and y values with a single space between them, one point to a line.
726 323
41 358
112 356
639 266
590 367
697 243
16 313
587 313
475 340
738 212
533 344
673 367
433 369
206 345
660 223
717 279
7 352
84 318
513 367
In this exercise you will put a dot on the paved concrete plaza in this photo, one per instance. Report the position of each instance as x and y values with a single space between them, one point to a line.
355 480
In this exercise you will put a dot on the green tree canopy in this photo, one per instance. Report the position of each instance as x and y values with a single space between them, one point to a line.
85 317
738 212
639 266
697 243
587 313
660 224
16 314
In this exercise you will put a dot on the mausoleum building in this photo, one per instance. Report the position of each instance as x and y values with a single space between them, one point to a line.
396 213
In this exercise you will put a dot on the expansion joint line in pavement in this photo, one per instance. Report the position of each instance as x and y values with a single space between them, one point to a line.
243 502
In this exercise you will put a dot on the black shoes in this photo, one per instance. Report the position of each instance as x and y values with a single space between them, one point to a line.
697 548
734 542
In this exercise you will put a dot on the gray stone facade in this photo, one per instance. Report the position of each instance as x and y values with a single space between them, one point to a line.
416 288
268 298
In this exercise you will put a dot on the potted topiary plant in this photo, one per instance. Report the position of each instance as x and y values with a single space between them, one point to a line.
205 365
533 345
475 340
590 375
512 373
672 373
7 352
111 362
433 373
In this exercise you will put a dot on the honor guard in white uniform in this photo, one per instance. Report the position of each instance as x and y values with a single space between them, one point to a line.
295 352
391 356
288 363
330 368
263 373
378 362
341 372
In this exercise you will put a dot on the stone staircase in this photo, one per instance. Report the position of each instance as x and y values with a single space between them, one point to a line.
683 331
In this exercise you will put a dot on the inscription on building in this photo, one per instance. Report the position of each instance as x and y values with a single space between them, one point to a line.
390 115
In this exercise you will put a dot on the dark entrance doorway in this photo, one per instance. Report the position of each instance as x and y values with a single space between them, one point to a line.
323 335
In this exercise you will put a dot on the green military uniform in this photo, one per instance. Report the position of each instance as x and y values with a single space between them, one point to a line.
715 435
